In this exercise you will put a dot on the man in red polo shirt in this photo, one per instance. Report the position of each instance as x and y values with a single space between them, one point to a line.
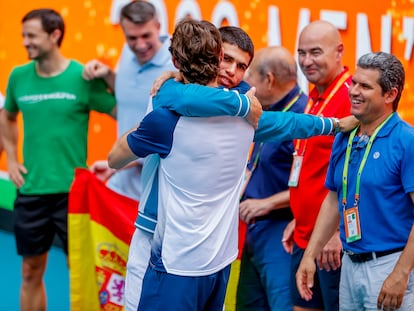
320 54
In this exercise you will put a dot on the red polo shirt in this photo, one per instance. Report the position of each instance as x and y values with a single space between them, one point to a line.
307 197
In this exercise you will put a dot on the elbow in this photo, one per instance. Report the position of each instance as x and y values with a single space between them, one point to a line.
120 155
113 162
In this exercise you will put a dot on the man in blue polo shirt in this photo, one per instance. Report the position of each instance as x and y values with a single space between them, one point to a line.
371 197
143 58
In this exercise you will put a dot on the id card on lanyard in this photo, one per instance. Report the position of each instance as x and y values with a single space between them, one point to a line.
301 144
295 170
351 215
352 225
248 173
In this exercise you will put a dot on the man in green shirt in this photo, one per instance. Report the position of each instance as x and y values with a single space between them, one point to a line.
55 102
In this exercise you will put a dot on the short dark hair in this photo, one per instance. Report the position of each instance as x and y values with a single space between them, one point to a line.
237 36
391 70
197 48
50 19
139 12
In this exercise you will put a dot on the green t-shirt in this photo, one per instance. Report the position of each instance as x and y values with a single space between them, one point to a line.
55 120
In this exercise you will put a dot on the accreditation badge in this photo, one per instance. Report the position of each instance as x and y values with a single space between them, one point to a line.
352 225
295 171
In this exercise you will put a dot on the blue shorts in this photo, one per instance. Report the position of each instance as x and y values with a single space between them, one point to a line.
325 289
37 218
162 291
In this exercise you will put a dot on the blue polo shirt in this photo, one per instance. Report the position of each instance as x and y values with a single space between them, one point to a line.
386 210
272 170
132 86
134 81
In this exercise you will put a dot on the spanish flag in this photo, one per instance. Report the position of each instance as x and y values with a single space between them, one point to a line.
100 227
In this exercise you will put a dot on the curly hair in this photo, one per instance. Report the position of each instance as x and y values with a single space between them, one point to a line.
196 47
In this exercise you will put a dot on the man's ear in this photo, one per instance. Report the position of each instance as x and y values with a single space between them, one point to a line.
55 35
176 64
340 50
391 95
270 80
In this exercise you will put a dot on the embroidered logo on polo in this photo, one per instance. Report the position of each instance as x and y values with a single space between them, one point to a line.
35 98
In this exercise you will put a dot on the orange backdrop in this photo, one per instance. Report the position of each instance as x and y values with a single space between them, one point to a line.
92 32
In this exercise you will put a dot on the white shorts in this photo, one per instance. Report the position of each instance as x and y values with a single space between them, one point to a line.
138 258
361 283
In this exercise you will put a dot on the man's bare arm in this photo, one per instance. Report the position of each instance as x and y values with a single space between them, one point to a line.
9 136
120 154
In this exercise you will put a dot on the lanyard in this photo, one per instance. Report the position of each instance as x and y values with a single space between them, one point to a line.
292 101
361 166
286 108
301 143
